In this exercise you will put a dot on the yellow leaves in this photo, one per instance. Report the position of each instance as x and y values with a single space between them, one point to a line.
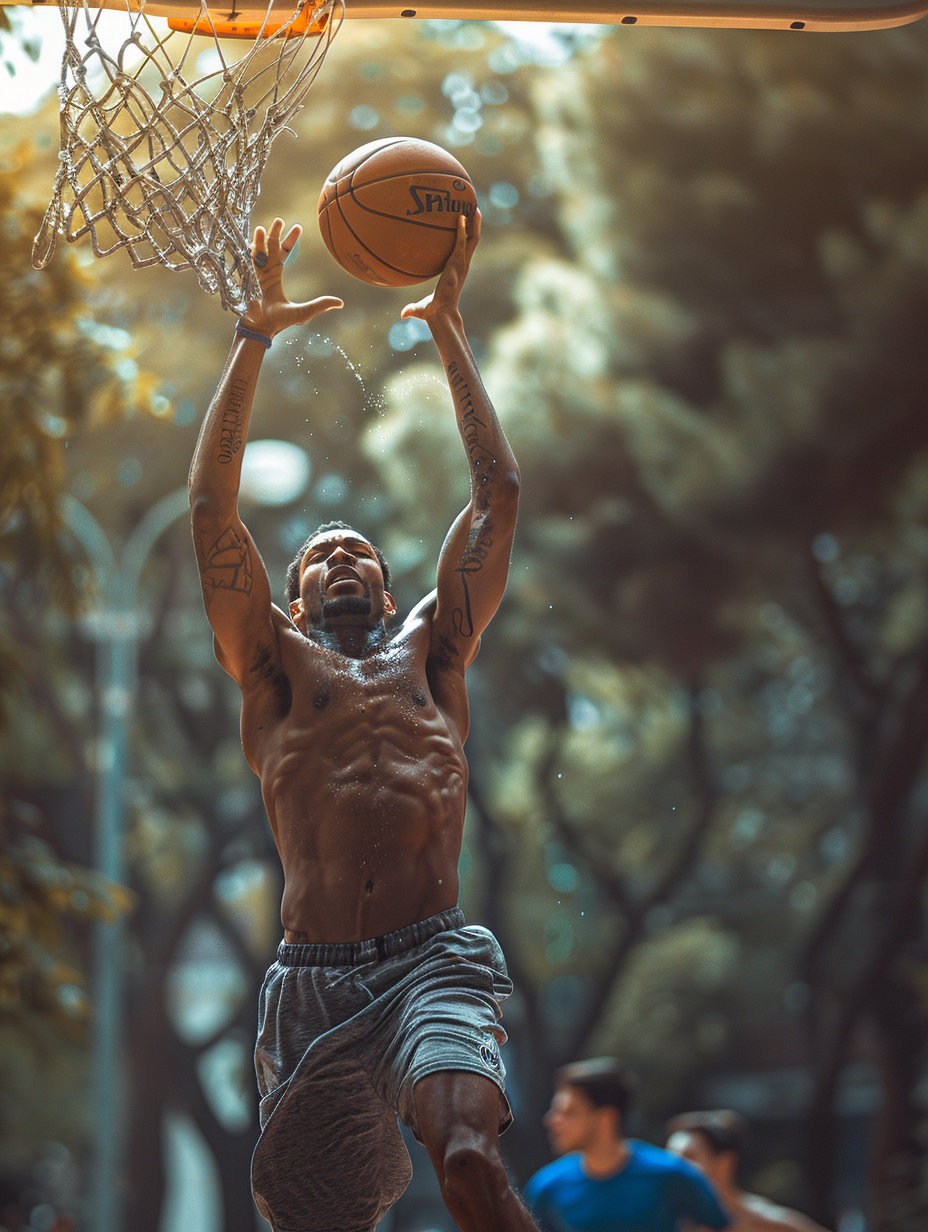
165 848
39 896
55 377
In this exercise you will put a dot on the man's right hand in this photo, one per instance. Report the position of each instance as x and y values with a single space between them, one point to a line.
274 312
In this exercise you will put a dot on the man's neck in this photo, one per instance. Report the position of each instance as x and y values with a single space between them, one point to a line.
605 1159
354 641
726 1188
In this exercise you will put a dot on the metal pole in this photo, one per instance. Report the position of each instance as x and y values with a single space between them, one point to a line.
115 628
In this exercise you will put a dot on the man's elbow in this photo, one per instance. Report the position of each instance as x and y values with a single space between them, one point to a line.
206 511
509 483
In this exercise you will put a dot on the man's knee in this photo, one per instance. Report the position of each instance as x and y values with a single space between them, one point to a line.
472 1168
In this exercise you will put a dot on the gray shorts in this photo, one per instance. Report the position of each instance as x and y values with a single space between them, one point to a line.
344 1034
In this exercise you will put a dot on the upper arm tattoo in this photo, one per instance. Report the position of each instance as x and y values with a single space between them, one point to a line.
227 565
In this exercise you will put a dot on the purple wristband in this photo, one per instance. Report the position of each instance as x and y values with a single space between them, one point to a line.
243 332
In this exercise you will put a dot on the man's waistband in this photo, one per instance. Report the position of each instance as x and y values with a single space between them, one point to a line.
376 949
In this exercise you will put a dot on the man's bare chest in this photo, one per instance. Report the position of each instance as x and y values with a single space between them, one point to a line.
324 680
319 695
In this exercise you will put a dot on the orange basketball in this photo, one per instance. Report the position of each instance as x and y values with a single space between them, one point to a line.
389 211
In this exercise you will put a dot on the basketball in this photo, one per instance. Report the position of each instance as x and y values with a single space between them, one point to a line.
389 211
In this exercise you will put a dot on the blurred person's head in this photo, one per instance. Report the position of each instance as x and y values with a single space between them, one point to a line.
591 1101
710 1140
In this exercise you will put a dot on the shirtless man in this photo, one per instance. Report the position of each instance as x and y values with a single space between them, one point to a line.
381 1002
712 1141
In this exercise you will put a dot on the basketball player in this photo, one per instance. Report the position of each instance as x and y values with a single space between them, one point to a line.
712 1141
604 1181
382 1002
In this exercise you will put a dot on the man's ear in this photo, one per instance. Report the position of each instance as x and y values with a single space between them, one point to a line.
296 610
389 604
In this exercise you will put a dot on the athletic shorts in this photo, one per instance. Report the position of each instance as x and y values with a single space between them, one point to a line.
345 1031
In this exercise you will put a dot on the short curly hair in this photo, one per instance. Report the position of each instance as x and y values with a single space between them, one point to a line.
292 587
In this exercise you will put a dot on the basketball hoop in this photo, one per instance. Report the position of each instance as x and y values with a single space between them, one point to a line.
170 168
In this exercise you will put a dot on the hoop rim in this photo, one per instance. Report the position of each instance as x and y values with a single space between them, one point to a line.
308 21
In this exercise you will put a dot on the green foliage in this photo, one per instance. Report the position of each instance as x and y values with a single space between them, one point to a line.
60 370
697 811
41 899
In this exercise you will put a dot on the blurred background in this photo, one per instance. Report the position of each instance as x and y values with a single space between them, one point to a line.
698 817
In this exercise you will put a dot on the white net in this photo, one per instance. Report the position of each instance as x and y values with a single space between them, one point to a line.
170 169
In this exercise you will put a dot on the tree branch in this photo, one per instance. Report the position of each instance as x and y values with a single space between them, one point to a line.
704 787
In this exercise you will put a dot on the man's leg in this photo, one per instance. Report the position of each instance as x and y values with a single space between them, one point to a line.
458 1117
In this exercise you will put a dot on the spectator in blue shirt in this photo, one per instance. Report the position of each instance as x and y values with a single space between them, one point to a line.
605 1182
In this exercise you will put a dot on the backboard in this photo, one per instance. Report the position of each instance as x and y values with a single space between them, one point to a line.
794 15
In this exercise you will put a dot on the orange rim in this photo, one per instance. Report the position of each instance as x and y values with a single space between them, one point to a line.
306 22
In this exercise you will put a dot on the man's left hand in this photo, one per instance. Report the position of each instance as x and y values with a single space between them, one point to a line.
446 295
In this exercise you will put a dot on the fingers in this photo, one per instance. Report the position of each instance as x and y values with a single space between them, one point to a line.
315 307
259 248
267 249
416 310
325 303
473 234
291 238
273 238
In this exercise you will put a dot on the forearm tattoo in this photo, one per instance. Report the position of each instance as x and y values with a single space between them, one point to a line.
230 429
227 565
483 474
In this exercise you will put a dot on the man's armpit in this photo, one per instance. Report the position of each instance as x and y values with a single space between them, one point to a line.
266 667
445 654
448 655
226 564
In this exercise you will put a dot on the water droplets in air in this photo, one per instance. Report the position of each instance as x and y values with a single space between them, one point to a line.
321 347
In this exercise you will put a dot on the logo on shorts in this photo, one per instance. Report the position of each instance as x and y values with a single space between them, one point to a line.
489 1055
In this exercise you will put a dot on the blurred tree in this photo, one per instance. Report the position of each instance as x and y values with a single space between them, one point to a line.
733 368
697 807
60 370
39 895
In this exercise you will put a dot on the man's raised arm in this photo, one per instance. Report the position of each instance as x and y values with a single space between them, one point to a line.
236 591
474 562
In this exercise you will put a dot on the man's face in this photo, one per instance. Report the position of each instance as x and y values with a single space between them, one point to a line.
573 1122
692 1145
340 578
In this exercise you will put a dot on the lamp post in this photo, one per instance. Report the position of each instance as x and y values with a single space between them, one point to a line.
273 474
114 626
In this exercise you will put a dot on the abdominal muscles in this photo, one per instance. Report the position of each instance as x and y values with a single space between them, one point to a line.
368 818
